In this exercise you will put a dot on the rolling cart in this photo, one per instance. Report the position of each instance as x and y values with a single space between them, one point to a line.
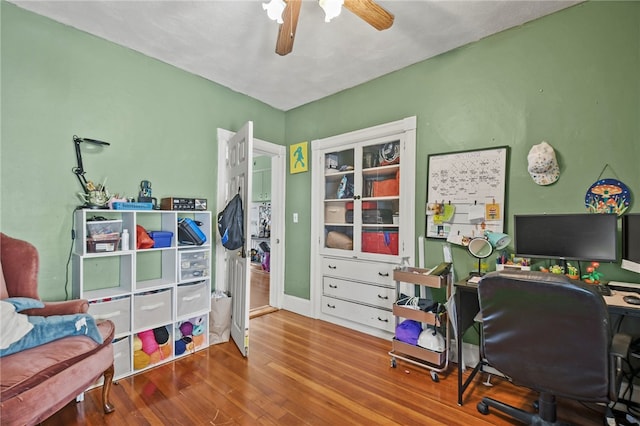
435 361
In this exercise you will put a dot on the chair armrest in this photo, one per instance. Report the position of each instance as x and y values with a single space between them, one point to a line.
67 307
618 351
620 345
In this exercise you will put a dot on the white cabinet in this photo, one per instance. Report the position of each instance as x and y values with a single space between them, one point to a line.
158 298
261 183
363 216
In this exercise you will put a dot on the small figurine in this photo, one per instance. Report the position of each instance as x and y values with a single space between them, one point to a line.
592 276
572 272
145 188
556 269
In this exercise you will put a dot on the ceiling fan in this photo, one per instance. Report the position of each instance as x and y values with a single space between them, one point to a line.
368 10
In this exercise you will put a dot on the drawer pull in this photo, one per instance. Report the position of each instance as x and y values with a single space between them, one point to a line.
383 297
188 298
331 306
383 319
152 307
385 274
332 267
333 286
107 315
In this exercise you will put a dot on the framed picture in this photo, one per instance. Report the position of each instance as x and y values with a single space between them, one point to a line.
466 193
298 158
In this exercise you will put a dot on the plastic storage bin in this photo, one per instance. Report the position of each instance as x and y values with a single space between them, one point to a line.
104 228
103 235
382 242
194 265
161 238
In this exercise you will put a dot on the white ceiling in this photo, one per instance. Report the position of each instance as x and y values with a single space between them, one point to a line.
233 42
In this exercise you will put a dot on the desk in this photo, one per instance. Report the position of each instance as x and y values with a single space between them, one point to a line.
468 306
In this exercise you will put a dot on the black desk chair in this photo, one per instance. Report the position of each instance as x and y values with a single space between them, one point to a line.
552 335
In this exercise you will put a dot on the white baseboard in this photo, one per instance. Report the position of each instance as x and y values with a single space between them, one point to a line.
297 305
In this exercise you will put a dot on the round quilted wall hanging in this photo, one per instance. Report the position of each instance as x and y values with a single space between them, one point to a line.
608 196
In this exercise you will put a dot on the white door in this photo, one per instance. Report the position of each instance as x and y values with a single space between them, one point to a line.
238 171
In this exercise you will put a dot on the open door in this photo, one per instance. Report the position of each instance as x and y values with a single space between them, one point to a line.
238 167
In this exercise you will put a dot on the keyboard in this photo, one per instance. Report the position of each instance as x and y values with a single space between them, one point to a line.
603 289
622 286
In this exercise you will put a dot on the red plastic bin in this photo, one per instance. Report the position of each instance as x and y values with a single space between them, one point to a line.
382 242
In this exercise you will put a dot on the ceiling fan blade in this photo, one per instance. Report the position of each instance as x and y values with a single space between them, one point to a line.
287 31
371 12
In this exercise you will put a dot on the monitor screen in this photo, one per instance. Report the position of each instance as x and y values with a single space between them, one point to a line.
631 242
589 237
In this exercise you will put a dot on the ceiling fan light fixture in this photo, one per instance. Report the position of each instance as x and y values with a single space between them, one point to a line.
274 10
332 8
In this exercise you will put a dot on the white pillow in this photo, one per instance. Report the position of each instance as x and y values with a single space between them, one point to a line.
13 325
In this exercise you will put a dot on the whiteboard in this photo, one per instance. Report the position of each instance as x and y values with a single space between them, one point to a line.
466 193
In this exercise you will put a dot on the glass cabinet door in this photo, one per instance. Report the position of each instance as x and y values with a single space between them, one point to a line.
362 198
339 193
380 201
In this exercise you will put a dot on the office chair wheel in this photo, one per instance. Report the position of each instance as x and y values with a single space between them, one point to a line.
434 377
482 408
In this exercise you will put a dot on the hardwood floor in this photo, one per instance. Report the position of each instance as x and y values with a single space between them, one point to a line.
301 371
259 287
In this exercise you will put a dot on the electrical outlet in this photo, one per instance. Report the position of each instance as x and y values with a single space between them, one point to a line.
295 218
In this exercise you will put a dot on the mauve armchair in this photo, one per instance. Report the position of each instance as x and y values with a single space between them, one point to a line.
37 382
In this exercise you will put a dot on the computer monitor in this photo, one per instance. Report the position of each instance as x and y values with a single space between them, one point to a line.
631 242
587 236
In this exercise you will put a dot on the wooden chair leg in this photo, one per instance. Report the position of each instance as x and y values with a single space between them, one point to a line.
106 390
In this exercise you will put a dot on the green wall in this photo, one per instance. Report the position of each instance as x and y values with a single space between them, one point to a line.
570 79
161 122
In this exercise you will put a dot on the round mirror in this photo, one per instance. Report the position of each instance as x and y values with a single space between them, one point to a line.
480 248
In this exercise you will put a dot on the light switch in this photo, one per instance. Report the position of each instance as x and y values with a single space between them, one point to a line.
295 218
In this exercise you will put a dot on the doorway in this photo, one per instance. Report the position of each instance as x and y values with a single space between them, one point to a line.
277 156
268 173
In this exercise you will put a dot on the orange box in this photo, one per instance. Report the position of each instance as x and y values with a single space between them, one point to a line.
387 187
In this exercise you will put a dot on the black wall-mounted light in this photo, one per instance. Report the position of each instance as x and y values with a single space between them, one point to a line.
79 169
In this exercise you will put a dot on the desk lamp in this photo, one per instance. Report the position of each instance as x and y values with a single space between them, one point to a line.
79 170
482 247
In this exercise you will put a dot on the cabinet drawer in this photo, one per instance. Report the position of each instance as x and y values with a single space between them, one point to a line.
118 311
193 298
367 315
122 356
151 309
358 292
358 270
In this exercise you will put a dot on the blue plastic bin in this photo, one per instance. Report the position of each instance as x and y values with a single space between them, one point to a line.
161 238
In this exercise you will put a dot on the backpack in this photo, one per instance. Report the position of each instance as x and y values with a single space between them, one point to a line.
231 224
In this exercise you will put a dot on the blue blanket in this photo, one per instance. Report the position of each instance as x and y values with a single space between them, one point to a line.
47 329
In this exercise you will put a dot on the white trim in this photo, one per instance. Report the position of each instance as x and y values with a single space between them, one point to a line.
298 305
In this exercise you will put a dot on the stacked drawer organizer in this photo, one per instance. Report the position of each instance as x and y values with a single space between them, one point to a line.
158 298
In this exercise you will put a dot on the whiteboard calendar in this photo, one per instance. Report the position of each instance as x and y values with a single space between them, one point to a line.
466 193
